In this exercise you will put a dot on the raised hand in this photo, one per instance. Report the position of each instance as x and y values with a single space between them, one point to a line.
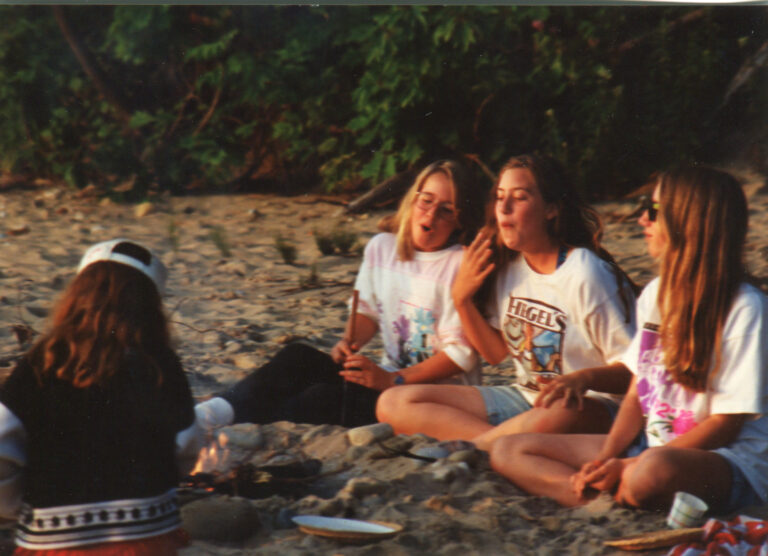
474 269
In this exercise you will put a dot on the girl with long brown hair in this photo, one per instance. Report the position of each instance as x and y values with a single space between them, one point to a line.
699 392
554 300
97 417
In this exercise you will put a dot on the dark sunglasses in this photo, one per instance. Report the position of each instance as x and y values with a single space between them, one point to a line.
648 204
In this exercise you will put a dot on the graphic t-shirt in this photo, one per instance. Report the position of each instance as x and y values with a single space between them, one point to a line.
561 322
411 302
738 386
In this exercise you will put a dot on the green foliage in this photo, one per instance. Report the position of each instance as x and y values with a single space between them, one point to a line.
343 240
311 280
337 240
173 235
324 243
219 238
286 249
349 95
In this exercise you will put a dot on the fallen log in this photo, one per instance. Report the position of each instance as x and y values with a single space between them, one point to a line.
388 191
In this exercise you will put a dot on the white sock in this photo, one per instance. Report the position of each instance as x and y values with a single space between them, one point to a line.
214 413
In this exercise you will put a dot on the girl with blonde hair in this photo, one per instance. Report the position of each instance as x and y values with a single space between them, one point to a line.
696 406
404 292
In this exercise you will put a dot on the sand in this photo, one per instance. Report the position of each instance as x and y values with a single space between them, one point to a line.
234 302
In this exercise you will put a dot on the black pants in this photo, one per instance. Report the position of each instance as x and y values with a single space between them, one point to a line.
301 384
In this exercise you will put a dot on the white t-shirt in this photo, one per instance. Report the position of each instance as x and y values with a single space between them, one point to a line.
740 384
411 302
561 322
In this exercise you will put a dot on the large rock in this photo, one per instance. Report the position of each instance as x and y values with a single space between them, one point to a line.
367 435
220 518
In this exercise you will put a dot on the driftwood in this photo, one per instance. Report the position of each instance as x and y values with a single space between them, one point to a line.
386 192
755 62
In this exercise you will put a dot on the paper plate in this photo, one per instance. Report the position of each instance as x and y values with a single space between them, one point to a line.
340 528
657 539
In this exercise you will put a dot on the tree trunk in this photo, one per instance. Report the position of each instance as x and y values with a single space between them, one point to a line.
90 66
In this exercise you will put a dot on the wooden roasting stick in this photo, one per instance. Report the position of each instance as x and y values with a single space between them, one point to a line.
353 317
657 539
350 341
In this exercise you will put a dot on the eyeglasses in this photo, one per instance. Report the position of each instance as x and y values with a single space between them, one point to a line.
426 201
648 204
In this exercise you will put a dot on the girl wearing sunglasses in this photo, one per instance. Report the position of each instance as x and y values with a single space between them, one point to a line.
536 286
404 293
699 393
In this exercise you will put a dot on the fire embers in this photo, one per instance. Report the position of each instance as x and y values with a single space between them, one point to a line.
292 479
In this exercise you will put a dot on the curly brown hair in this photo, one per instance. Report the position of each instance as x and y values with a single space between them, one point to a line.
108 311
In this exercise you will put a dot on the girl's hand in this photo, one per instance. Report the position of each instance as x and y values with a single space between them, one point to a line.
361 370
474 269
599 475
570 387
342 350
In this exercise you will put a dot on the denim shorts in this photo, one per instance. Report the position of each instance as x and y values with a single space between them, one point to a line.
505 402
502 403
742 492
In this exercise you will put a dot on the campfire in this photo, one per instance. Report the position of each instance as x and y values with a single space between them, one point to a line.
218 472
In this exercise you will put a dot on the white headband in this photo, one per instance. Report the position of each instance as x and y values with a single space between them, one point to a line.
155 270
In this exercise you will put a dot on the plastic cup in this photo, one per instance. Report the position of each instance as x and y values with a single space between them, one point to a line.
687 511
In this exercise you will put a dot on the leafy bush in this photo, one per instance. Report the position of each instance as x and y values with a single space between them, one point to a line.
184 97
286 249
324 243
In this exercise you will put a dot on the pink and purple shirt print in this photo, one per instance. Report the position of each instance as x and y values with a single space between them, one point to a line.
669 409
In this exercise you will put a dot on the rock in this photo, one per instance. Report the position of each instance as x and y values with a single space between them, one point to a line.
360 487
244 361
288 338
470 457
432 451
233 346
448 472
367 435
18 230
220 518
143 209
245 436
355 454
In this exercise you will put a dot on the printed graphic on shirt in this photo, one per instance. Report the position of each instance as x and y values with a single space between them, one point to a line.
534 332
415 333
665 403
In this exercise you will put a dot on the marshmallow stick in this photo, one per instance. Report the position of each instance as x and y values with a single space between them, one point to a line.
350 341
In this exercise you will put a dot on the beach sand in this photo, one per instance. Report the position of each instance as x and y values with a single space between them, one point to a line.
233 303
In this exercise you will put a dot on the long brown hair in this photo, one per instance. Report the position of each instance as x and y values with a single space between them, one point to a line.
468 202
575 224
703 213
108 311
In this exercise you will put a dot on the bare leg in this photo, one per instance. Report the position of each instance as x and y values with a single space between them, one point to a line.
660 472
542 464
443 411
594 418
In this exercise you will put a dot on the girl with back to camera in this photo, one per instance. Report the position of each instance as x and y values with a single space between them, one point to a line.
699 391
404 286
558 303
96 417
